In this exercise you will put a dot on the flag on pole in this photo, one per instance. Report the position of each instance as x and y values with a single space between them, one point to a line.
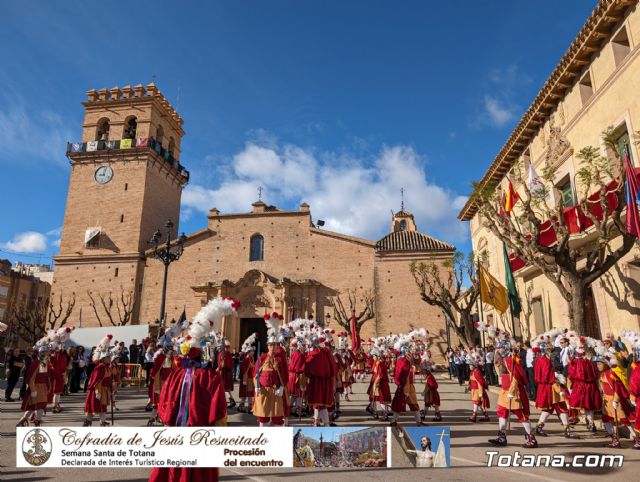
353 328
633 192
534 183
510 199
492 292
183 316
514 299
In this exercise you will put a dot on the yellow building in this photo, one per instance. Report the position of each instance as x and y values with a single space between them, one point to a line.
594 86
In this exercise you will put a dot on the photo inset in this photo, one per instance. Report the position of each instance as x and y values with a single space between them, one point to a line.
340 447
421 447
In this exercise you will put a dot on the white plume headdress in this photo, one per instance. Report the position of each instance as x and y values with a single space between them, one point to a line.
208 321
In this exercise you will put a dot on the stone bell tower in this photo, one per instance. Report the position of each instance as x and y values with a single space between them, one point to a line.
126 180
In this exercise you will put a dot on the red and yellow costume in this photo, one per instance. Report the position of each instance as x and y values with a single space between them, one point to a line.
39 380
160 371
247 384
478 388
405 391
271 375
512 382
613 390
99 390
379 389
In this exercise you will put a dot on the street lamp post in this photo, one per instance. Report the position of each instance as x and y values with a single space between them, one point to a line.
167 253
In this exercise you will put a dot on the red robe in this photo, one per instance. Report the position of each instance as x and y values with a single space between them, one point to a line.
100 381
514 374
613 389
159 373
585 393
296 374
225 367
405 391
320 369
545 377
39 379
431 395
207 407
379 389
634 390
59 361
246 375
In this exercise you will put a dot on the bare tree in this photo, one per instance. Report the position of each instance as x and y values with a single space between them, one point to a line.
570 264
35 320
342 314
441 284
116 310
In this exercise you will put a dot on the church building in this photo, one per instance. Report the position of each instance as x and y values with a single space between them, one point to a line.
126 182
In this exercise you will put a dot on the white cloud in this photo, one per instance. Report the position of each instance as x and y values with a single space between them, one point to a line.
27 242
498 113
352 195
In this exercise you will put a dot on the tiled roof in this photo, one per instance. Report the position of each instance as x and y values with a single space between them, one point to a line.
411 241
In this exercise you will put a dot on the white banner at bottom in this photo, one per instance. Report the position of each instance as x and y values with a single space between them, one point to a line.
154 447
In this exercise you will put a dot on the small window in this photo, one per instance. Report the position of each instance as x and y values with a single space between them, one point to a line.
403 225
126 186
565 191
102 131
130 128
172 146
256 252
621 46
586 88
115 274
122 218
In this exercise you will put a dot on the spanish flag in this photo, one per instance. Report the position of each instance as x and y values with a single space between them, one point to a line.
510 199
492 292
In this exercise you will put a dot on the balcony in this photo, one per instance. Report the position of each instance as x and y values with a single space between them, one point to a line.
129 144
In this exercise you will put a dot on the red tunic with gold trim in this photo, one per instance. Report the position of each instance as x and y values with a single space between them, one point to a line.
379 389
583 376
339 387
39 380
225 367
297 378
634 390
270 374
512 382
406 390
320 369
99 383
478 387
431 395
59 362
247 385
613 390
206 407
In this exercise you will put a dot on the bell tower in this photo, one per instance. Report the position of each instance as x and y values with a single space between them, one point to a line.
126 180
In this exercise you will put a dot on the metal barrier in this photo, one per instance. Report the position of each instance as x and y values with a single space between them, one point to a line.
131 374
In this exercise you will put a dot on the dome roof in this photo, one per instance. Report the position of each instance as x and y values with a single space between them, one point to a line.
411 241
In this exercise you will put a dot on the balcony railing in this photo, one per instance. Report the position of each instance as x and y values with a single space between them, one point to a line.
126 144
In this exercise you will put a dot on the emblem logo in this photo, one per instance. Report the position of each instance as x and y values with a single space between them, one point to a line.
36 447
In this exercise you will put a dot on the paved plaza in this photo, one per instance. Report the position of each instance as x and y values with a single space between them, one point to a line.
468 445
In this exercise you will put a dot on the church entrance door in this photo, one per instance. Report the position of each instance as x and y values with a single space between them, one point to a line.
254 325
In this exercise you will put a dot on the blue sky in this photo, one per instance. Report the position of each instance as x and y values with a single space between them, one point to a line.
435 434
339 104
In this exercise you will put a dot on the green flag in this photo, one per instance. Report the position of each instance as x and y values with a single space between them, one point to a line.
514 299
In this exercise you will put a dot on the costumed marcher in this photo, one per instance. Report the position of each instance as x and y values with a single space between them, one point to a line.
320 370
405 394
478 388
39 381
551 392
616 407
513 395
430 393
271 402
193 393
116 373
634 381
379 391
297 379
59 362
100 387
225 367
360 360
247 386
161 368
583 379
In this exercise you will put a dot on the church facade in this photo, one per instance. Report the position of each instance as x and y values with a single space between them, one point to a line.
126 182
